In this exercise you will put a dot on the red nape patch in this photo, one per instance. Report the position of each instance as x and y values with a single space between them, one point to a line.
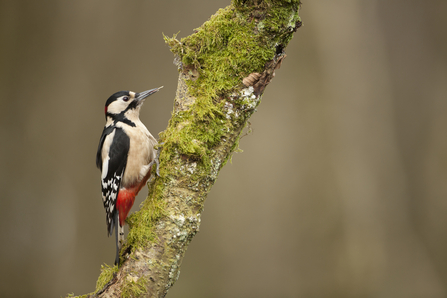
105 110
124 203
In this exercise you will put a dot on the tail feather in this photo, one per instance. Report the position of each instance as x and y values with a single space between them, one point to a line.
119 235
118 246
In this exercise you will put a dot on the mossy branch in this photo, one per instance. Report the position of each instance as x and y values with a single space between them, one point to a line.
223 70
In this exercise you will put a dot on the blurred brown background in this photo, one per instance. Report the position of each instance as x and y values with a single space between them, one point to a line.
341 188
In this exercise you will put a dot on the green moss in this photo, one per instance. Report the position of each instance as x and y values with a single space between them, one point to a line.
107 273
235 42
240 4
81 296
224 50
215 51
132 288
141 223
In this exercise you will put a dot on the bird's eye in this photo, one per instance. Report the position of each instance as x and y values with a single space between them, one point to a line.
126 98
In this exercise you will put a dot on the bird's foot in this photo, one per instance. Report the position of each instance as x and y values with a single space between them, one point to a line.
156 161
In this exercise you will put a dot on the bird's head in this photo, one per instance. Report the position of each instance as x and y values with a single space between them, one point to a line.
126 104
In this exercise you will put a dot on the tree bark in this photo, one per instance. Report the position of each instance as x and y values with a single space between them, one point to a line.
224 68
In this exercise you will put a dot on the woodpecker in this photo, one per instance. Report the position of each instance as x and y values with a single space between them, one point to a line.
125 156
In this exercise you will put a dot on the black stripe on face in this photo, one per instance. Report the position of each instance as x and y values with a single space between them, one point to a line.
132 105
121 118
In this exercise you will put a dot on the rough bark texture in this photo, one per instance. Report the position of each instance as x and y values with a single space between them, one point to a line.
224 68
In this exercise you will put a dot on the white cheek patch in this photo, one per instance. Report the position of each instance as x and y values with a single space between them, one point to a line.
117 106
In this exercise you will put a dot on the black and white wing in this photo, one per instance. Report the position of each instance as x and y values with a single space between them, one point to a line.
112 154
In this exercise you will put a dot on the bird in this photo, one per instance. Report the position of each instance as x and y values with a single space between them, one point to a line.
125 156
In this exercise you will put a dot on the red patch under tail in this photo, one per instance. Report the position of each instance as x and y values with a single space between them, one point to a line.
124 203
126 198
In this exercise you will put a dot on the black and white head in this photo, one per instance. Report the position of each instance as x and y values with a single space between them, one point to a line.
126 104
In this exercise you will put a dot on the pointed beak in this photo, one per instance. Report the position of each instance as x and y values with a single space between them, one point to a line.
140 97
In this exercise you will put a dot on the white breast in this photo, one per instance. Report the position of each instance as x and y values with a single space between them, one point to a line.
141 153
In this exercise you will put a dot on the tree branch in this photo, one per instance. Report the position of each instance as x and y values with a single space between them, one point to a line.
224 68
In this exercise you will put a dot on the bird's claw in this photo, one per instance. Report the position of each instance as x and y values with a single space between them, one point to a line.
157 161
